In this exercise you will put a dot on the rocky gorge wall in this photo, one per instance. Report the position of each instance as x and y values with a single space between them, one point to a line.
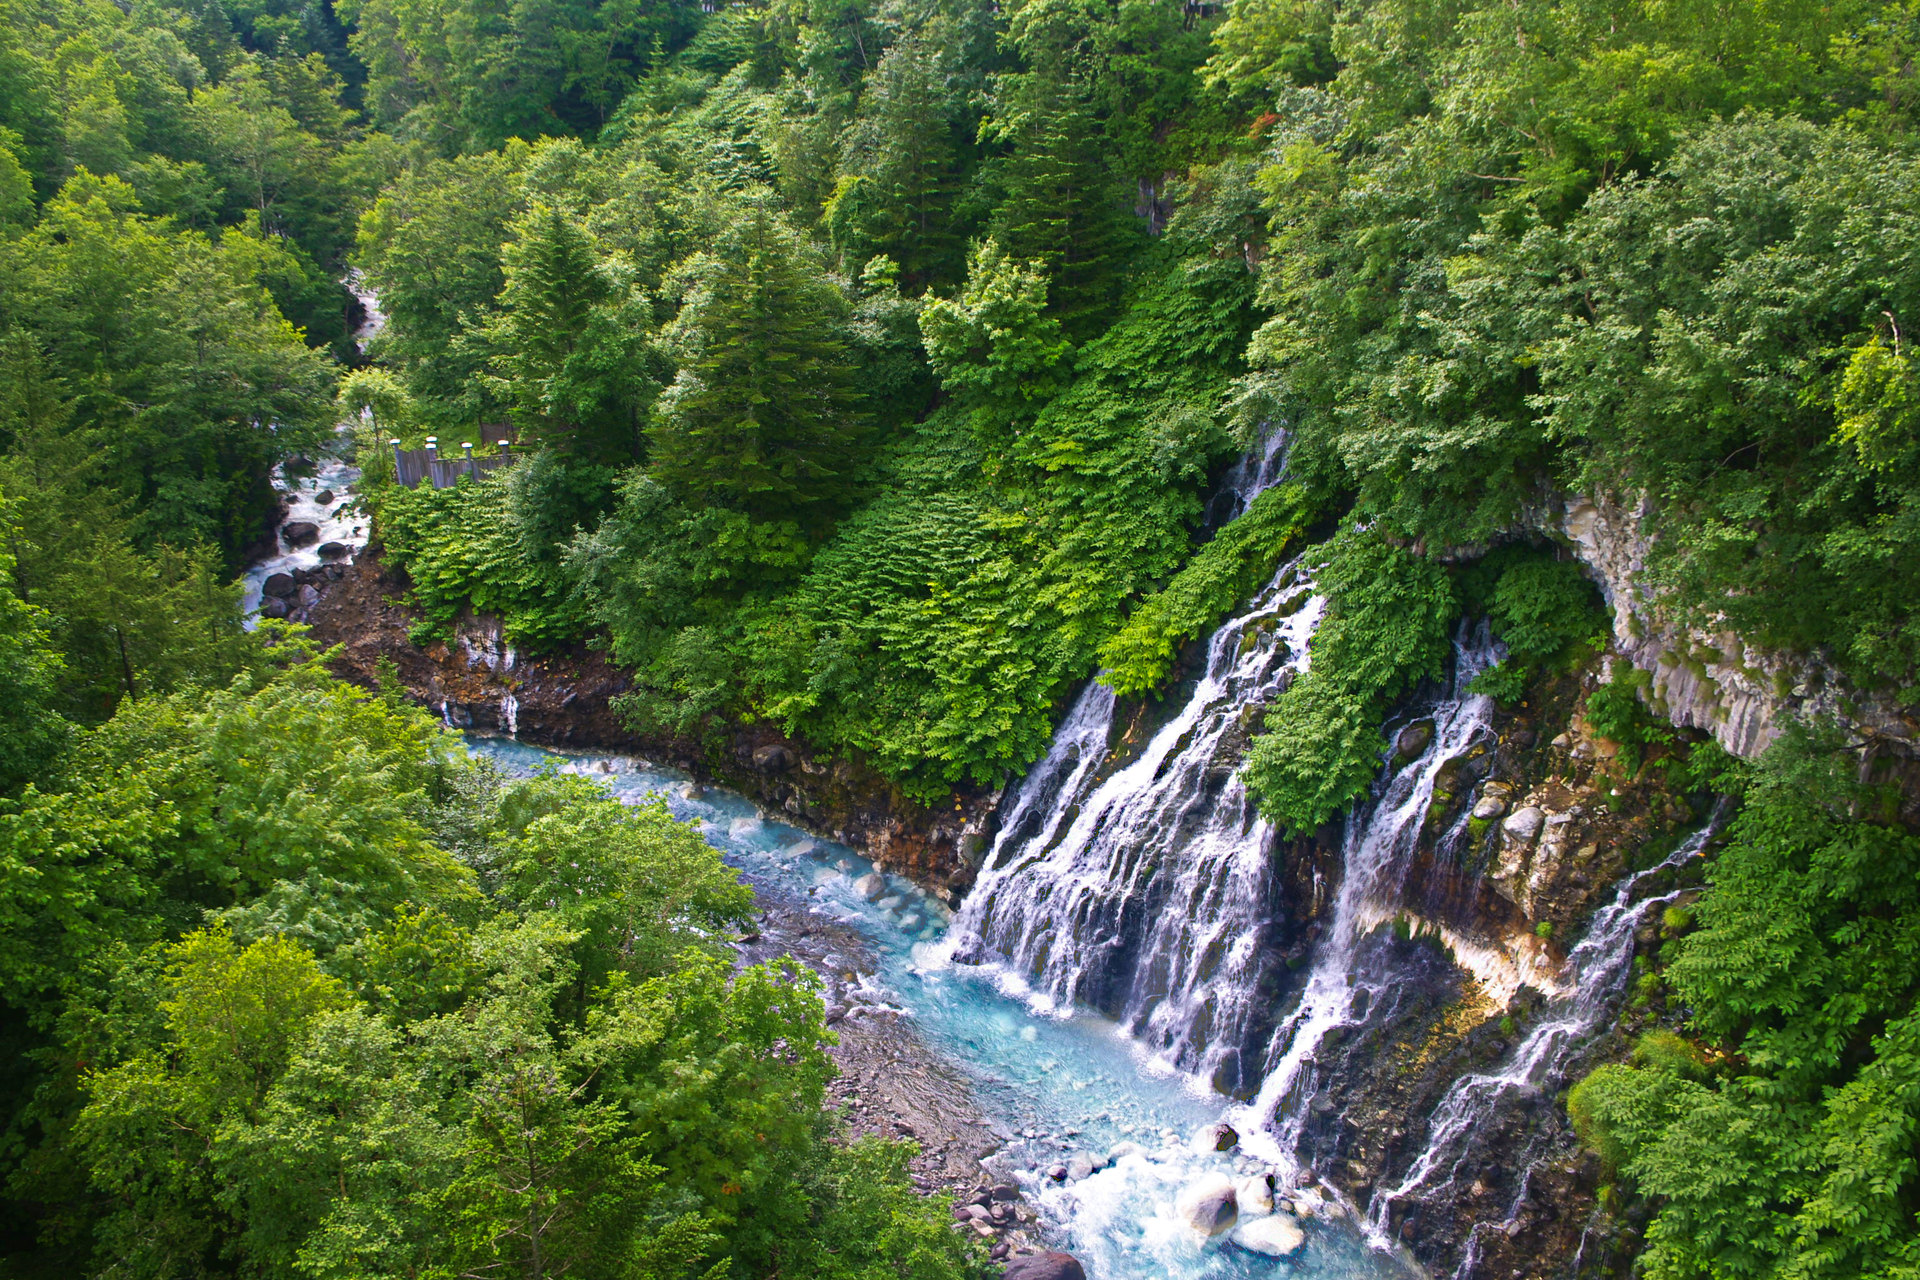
1714 681
476 681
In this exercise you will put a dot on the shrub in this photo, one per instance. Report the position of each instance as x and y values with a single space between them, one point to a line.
1221 575
1385 630
1504 682
1615 711
463 546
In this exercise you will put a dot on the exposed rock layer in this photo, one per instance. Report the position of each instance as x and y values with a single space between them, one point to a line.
1713 681
565 700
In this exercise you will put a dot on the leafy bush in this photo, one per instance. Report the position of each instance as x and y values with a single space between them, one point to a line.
1224 572
352 1003
1797 1158
1615 711
465 547
1541 608
1385 629
1504 681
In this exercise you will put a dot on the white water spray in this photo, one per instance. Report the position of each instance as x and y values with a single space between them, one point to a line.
1376 855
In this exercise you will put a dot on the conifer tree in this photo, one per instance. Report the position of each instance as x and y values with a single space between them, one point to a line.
759 420
574 359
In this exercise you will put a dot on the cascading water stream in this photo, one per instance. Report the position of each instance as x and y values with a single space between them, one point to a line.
1146 894
1600 965
1376 852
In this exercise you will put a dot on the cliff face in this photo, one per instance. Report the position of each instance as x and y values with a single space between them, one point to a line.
1476 959
564 700
1713 681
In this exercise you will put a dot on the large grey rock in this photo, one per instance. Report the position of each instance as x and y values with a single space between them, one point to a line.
335 551
1255 1194
1209 1206
299 533
1413 740
870 886
274 607
1046 1266
1276 1236
1218 1137
1525 823
277 584
772 759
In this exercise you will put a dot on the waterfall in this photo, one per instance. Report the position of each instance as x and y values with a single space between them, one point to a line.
1375 855
1147 893
1600 965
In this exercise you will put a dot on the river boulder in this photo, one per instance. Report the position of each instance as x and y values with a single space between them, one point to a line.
324 497
335 551
1217 1137
277 584
1276 1235
299 533
1209 1205
1046 1266
1412 742
870 886
274 607
1255 1194
772 759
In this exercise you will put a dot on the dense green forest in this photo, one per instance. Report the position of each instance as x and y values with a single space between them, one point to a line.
875 361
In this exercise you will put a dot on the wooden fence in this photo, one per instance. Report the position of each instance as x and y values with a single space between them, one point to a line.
411 466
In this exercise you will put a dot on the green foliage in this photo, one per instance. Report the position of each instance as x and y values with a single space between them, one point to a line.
1544 611
574 361
1796 1159
1615 711
347 1003
1224 572
995 347
125 622
1387 617
464 547
1505 682
158 351
1540 608
32 731
466 76
758 420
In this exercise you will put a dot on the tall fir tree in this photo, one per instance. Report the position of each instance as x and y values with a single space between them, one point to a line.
760 419
575 360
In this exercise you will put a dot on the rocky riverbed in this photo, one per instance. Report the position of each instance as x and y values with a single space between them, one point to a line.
892 1084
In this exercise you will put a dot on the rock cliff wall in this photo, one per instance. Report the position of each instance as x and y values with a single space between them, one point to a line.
1713 681
477 681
